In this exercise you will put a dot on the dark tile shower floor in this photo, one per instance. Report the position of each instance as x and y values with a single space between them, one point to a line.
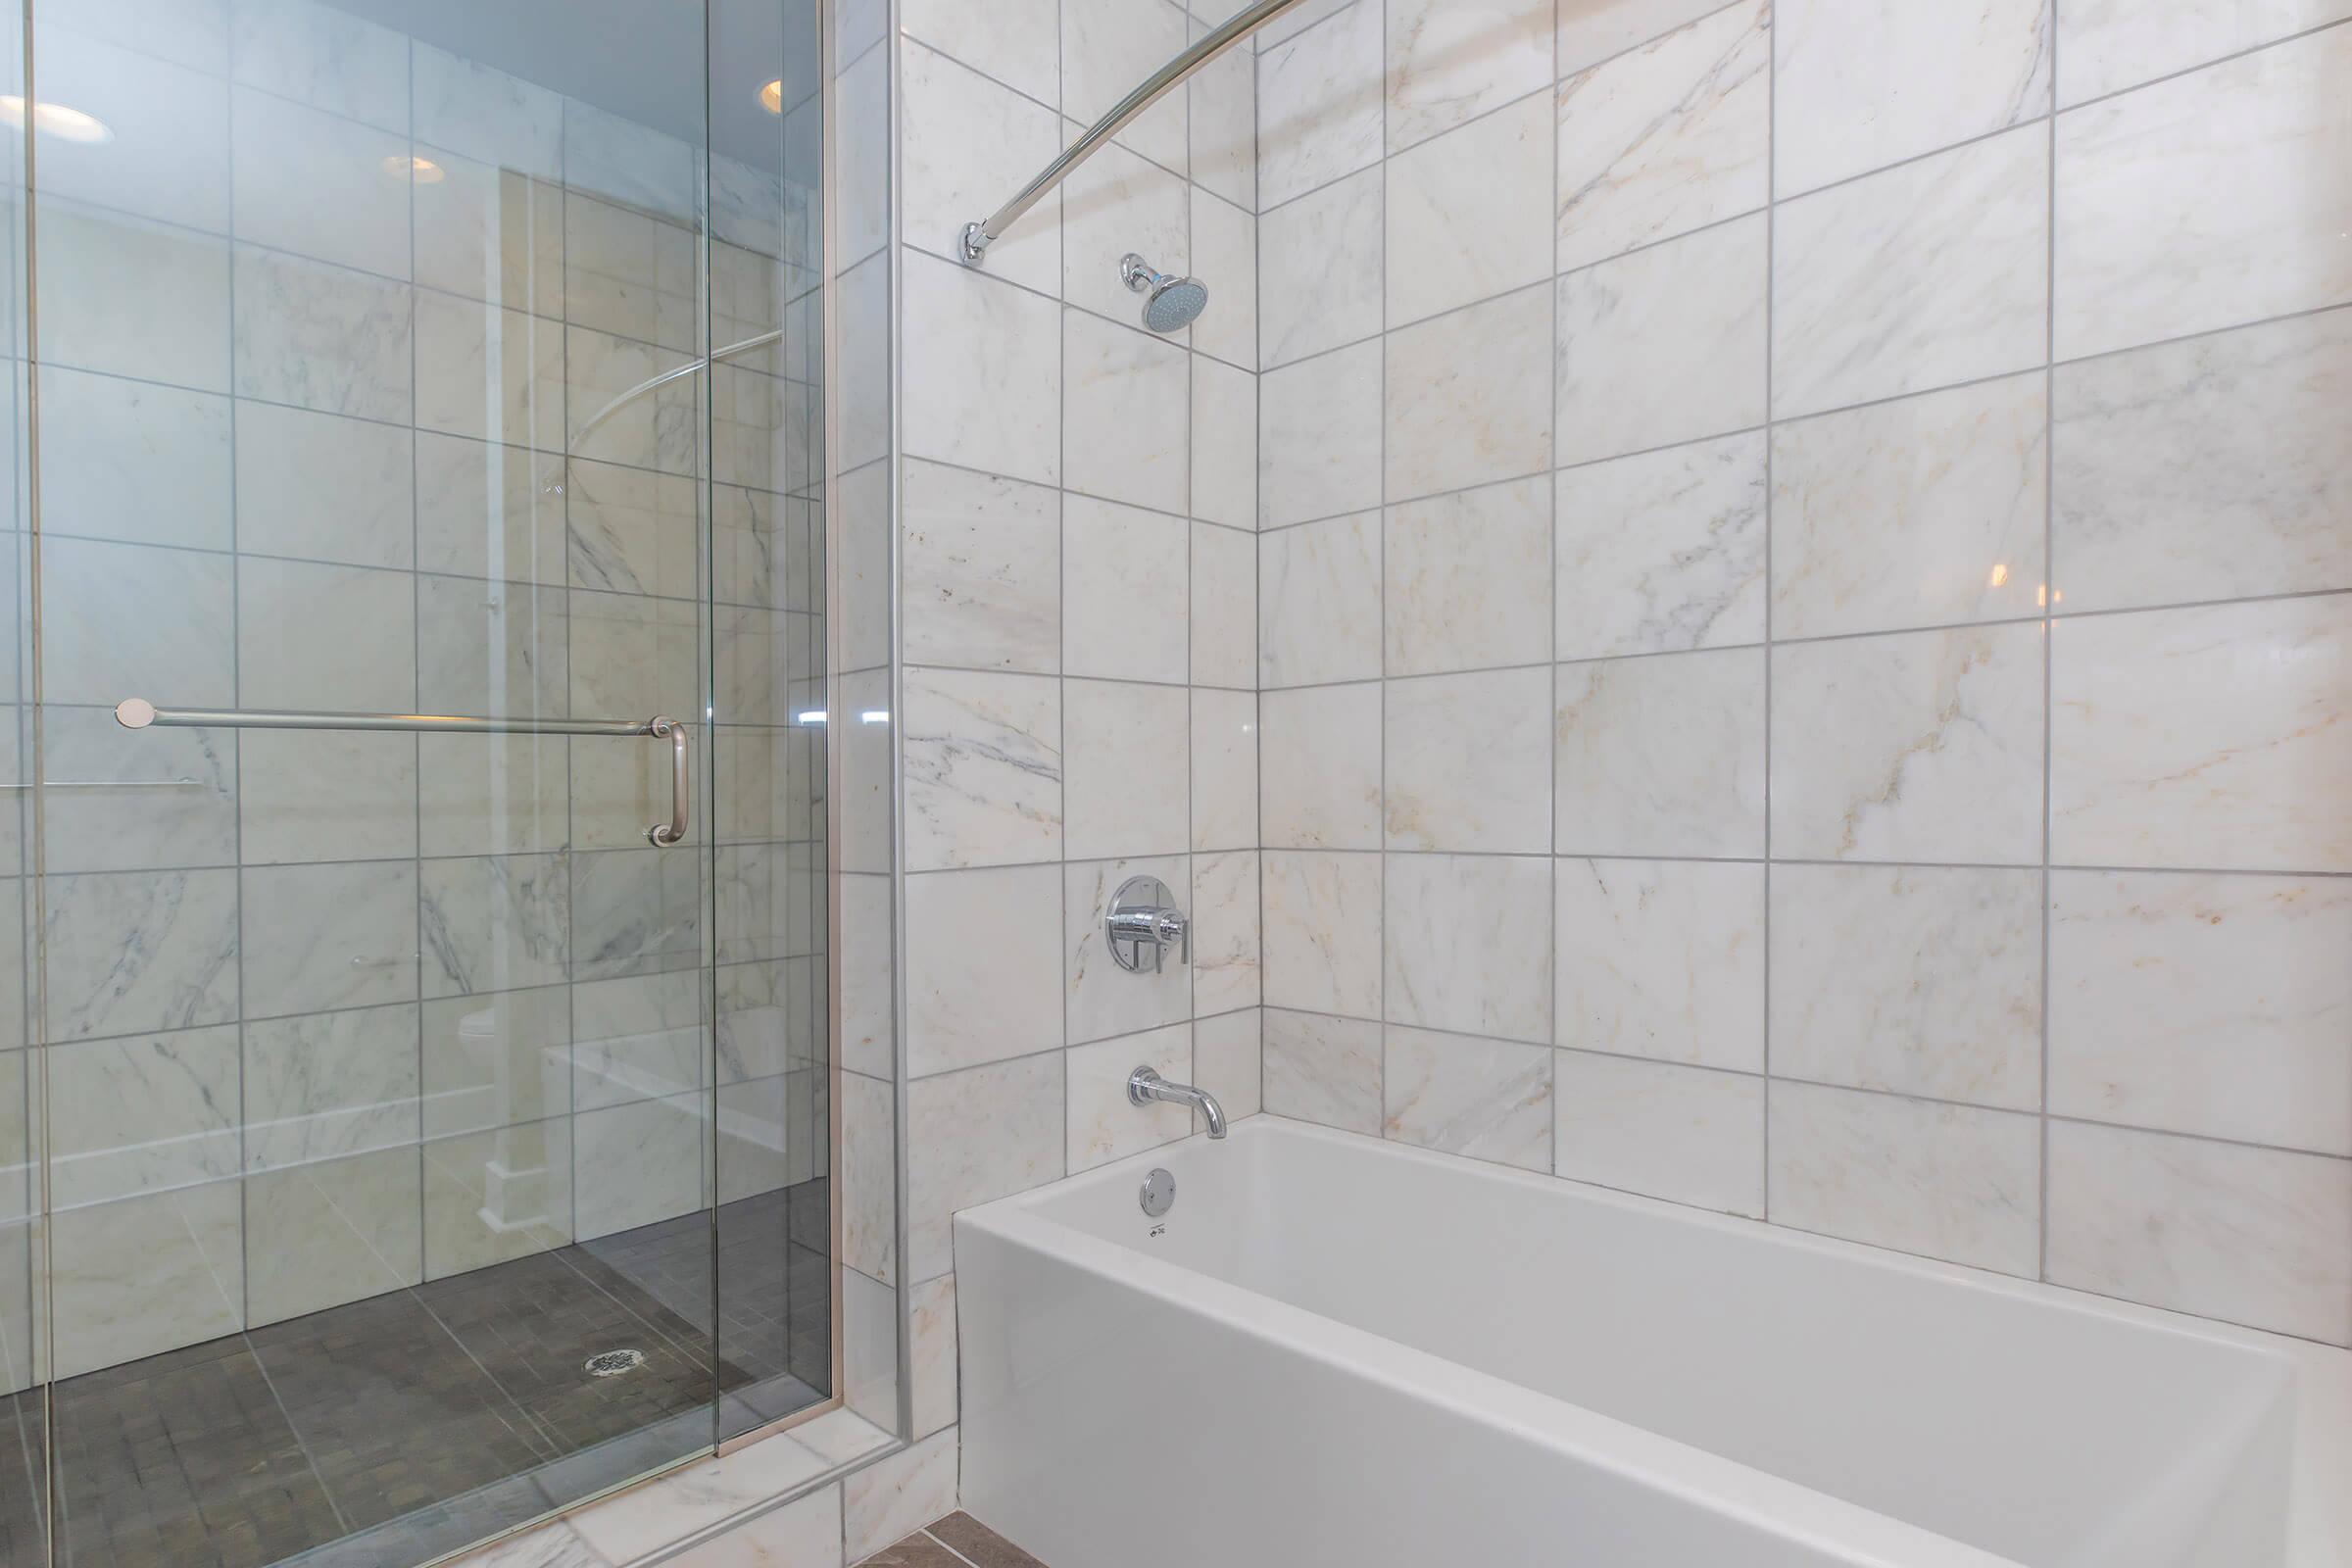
416 1422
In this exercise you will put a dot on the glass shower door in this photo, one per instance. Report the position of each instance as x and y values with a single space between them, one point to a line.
386 1092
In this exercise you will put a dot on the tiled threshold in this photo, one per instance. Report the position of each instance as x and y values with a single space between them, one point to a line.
654 1522
958 1541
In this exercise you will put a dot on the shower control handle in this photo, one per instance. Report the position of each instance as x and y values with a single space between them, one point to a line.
1144 923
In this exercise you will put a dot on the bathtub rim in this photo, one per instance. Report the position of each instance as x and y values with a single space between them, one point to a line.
2318 1506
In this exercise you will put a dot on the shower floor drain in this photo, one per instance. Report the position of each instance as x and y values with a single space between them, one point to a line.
612 1363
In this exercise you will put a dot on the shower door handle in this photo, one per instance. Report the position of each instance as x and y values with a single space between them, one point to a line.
662 834
137 713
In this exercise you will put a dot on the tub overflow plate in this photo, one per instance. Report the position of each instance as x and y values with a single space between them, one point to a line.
1158 1195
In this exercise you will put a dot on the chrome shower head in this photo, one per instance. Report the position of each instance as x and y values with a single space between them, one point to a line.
1170 304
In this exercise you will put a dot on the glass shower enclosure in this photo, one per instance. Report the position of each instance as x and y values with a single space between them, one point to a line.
415 1108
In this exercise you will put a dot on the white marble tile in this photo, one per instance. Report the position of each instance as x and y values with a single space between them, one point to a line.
1324 1070
1106 48
964 141
1225 769
1323 933
1223 593
1228 1058
135 952
1466 579
119 801
1319 437
1663 346
983 966
973 1136
1225 254
1662 551
1125 781
1008 323
324 1233
317 937
318 184
2190 204
638 1164
322 488
633 532
147 1274
2211 1005
496 1061
1465 213
329 1084
495 1196
1947 1181
485 231
870 1183
1662 959
1465 397
1487 1099
1661 755
1926 746
1320 266
1593 31
119 620
1921 277
1114 204
322 337
320 55
1468 942
1468 762
2108 45
1451 62
485 114
1319 767
127 297
893 1498
1124 592
2251 1236
1916 979
1225 910
1319 612
984 769
143 464
483 648
1666 138
2208 737
1224 444
500 922
633 911
1922 512
931 1315
1127 414
168 153
1224 151
1101 1126
488 512
1018 42
2211 469
1683 1133
868 975
139 1114
1319 98
1292 23
981 570
1100 998
1004 422
1860 87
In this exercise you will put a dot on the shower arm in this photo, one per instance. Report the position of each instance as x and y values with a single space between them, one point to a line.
977 237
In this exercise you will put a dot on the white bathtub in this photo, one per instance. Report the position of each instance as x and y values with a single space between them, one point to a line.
1334 1351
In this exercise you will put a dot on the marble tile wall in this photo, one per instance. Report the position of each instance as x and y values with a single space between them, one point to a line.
329 1013
1805 636
1078 588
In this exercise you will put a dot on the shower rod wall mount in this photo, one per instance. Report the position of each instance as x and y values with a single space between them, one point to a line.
977 237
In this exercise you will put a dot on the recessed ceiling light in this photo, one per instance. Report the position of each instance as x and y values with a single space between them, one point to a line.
423 170
55 119
771 96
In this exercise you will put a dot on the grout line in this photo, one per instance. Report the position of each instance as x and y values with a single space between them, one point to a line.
2049 647
1772 75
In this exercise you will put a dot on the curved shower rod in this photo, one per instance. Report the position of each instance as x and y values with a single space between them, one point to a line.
653 383
977 237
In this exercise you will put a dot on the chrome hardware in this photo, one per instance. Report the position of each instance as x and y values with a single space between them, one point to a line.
1144 923
137 713
1143 1086
977 237
1158 1195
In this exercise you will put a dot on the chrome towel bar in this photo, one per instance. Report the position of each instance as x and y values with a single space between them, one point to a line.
137 713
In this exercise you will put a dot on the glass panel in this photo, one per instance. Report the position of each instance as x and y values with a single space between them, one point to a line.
390 1079
776 1287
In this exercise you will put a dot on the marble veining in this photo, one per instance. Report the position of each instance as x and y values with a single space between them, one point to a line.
1319 430
1319 608
1465 579
135 952
1450 61
329 1084
1468 942
1663 551
1319 767
1324 1070
1466 214
984 966
1465 397
1487 1099
1667 138
1319 104
984 769
1662 959
1679 1132
1323 932
1660 755
1468 763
